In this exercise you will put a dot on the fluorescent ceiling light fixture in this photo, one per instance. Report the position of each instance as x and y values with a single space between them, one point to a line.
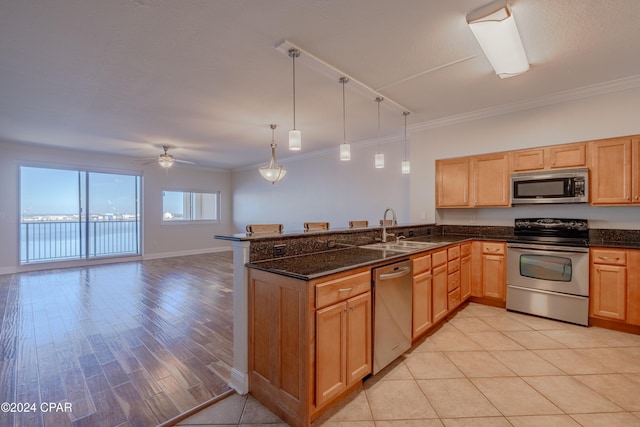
495 29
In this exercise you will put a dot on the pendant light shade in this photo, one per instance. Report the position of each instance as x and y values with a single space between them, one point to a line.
295 136
345 149
273 172
379 159
406 167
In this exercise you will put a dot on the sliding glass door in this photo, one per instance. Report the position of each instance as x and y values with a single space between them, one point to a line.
73 214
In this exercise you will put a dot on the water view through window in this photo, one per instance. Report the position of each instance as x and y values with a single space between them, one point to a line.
72 214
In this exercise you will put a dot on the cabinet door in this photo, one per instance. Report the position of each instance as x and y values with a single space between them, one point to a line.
440 293
422 284
527 160
358 337
331 346
491 180
452 183
493 276
465 277
633 287
568 156
609 294
635 170
611 172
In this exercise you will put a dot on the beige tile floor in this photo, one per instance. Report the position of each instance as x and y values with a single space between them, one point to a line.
485 367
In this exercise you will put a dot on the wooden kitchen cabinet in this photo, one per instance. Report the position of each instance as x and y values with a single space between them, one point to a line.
453 277
494 270
615 171
491 180
452 183
440 286
309 341
343 346
477 181
465 271
608 296
422 290
553 157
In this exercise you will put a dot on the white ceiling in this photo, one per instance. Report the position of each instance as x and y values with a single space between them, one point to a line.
204 76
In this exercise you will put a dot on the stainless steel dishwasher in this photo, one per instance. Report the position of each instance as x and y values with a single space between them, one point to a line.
392 289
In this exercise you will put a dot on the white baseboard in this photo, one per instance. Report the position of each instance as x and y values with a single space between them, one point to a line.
239 382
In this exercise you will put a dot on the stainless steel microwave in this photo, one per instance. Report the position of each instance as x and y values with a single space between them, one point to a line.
550 186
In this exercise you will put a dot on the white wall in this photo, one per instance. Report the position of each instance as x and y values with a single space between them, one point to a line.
596 117
159 240
322 188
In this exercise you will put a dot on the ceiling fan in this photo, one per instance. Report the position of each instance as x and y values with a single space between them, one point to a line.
166 160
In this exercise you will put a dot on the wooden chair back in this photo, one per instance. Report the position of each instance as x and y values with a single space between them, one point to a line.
316 225
265 228
388 223
358 224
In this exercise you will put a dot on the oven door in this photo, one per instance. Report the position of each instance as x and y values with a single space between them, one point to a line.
548 268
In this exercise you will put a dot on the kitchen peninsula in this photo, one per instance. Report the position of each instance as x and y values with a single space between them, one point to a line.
302 319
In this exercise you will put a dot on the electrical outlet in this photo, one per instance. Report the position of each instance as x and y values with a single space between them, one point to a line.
279 250
410 233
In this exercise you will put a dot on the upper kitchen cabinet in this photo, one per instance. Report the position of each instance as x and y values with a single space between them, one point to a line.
553 157
478 181
615 171
452 183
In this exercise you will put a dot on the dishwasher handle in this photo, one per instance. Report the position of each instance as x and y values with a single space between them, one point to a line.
402 271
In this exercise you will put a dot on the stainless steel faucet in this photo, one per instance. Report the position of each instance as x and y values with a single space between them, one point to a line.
384 224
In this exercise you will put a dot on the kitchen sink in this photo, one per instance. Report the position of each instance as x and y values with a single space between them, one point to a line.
404 245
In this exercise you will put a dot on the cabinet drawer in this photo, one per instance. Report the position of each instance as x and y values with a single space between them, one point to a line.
438 258
493 248
609 256
453 281
421 264
453 266
453 299
453 253
333 291
465 250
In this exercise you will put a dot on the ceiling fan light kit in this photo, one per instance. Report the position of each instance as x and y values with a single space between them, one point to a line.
495 29
166 160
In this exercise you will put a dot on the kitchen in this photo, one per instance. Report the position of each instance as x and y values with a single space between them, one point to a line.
585 110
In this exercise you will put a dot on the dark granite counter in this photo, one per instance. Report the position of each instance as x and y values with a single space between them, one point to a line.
314 265
612 238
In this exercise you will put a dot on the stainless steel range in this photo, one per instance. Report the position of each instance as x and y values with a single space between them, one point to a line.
548 269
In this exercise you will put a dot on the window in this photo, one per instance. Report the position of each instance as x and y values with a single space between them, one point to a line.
75 214
190 206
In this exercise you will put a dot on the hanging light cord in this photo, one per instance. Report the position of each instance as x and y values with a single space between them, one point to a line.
293 54
405 114
344 80
379 100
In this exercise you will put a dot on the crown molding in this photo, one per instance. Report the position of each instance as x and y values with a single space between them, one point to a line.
556 98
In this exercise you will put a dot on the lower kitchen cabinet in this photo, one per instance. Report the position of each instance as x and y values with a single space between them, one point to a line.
608 293
493 270
343 346
421 297
440 293
309 341
465 271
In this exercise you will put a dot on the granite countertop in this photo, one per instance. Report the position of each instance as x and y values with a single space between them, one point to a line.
312 266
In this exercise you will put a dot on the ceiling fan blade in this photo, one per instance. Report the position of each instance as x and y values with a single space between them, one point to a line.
186 162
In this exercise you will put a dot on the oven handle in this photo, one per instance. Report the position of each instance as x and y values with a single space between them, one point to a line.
541 291
548 248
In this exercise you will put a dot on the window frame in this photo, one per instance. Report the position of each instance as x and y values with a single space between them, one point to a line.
217 209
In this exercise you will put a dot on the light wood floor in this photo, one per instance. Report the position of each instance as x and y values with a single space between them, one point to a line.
127 344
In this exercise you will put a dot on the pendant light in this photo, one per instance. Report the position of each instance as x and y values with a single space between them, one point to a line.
345 149
379 159
295 136
273 172
406 168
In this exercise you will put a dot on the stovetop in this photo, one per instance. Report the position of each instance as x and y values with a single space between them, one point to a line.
552 231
